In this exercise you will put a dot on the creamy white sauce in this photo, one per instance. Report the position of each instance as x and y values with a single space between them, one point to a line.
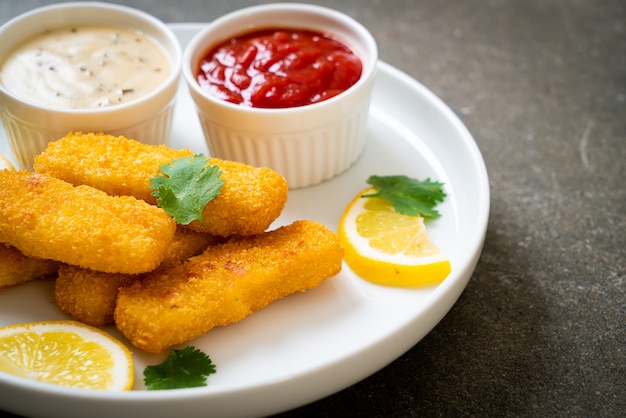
85 67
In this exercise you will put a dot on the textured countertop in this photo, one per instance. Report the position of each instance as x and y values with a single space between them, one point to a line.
541 84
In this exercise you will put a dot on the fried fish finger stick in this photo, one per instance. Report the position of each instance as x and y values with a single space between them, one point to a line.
90 296
225 284
114 164
49 218
250 200
16 268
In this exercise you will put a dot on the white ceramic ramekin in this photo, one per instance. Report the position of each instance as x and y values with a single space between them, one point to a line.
31 126
306 144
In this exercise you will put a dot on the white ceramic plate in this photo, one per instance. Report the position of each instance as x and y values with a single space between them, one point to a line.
308 345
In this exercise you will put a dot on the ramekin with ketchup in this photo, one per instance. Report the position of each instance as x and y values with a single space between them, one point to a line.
285 86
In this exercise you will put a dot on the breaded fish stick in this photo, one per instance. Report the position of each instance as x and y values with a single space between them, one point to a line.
90 296
114 164
49 218
250 200
225 284
16 268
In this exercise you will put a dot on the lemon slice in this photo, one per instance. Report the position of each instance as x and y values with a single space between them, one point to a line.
66 353
389 248
5 163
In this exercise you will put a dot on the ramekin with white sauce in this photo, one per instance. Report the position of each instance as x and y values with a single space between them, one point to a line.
86 66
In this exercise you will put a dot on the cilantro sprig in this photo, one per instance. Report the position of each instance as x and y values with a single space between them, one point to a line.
409 196
184 187
185 368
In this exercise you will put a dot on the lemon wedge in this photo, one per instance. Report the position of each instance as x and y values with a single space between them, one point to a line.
386 247
5 163
66 353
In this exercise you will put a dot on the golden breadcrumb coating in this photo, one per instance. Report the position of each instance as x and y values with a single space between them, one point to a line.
250 200
49 218
114 164
90 296
16 268
186 244
225 284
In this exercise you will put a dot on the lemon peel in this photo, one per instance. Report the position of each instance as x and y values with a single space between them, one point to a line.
66 353
388 248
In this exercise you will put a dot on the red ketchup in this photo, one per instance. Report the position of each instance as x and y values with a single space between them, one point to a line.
279 68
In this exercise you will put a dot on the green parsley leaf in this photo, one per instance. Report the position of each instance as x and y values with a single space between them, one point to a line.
186 368
409 196
185 186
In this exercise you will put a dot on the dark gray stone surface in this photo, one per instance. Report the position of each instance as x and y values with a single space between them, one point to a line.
541 84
